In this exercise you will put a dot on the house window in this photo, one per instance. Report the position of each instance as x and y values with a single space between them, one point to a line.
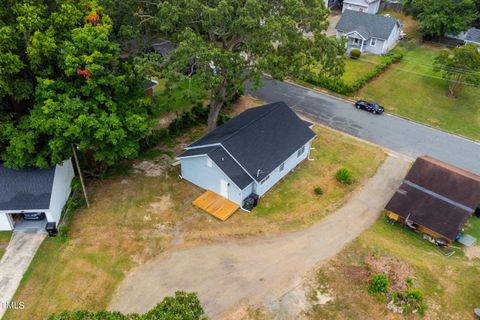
373 42
355 41
282 167
300 152
209 162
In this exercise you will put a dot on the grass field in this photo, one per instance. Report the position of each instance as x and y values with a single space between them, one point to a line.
412 89
449 284
4 240
134 218
355 69
473 228
179 97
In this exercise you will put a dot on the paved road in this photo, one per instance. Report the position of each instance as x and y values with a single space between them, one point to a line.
232 274
15 262
389 131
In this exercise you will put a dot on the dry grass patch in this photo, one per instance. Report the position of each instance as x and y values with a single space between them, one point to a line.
449 284
4 240
136 217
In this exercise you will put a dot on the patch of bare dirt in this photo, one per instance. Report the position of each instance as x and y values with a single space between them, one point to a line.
244 103
397 271
472 252
153 168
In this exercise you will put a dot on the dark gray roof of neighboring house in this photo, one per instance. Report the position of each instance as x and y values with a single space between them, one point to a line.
163 47
367 24
260 139
473 35
150 84
27 189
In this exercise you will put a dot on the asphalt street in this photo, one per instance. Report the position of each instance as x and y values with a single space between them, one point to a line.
403 136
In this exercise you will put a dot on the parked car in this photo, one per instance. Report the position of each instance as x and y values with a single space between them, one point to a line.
36 216
370 107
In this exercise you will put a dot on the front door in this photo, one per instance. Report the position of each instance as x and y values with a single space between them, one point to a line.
224 188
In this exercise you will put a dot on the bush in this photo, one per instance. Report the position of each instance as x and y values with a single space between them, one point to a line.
355 53
185 306
318 191
340 87
378 285
344 176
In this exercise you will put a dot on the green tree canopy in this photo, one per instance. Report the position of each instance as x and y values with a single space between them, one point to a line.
230 41
439 17
460 66
183 306
64 83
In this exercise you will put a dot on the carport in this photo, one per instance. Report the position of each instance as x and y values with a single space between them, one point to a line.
30 198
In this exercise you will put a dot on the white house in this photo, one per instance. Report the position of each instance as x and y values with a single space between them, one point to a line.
247 155
27 191
368 6
368 32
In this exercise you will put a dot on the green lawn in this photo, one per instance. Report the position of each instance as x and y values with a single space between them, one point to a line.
473 228
412 89
179 97
4 240
355 69
449 284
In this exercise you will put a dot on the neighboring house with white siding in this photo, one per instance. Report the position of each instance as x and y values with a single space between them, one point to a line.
367 32
249 154
367 6
43 191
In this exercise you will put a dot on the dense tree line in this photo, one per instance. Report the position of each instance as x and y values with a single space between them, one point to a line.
64 80
63 83
440 17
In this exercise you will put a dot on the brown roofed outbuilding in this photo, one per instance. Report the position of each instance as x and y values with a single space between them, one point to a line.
437 197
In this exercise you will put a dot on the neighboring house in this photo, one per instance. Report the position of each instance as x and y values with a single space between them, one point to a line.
436 199
472 35
368 32
149 84
330 3
249 154
368 6
33 190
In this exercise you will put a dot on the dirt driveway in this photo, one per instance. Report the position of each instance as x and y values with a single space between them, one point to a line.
20 252
257 270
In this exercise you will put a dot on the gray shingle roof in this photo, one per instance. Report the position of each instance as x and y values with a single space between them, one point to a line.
473 35
27 189
224 161
367 24
259 139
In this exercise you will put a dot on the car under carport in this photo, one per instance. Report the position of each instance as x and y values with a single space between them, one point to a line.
30 198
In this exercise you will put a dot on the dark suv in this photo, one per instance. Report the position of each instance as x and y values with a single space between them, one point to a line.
34 216
369 106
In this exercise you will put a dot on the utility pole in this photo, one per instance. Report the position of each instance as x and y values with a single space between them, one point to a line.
74 149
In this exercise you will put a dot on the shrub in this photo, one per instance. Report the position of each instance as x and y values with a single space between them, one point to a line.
318 191
185 306
378 285
340 87
355 53
344 176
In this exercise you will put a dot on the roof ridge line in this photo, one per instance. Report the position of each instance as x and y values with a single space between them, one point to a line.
251 122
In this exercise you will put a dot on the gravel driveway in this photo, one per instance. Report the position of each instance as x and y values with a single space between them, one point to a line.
20 252
257 270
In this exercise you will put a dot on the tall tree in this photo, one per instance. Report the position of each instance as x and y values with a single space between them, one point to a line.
227 42
66 84
439 17
460 66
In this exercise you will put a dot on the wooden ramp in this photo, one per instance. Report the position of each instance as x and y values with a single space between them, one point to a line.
216 205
